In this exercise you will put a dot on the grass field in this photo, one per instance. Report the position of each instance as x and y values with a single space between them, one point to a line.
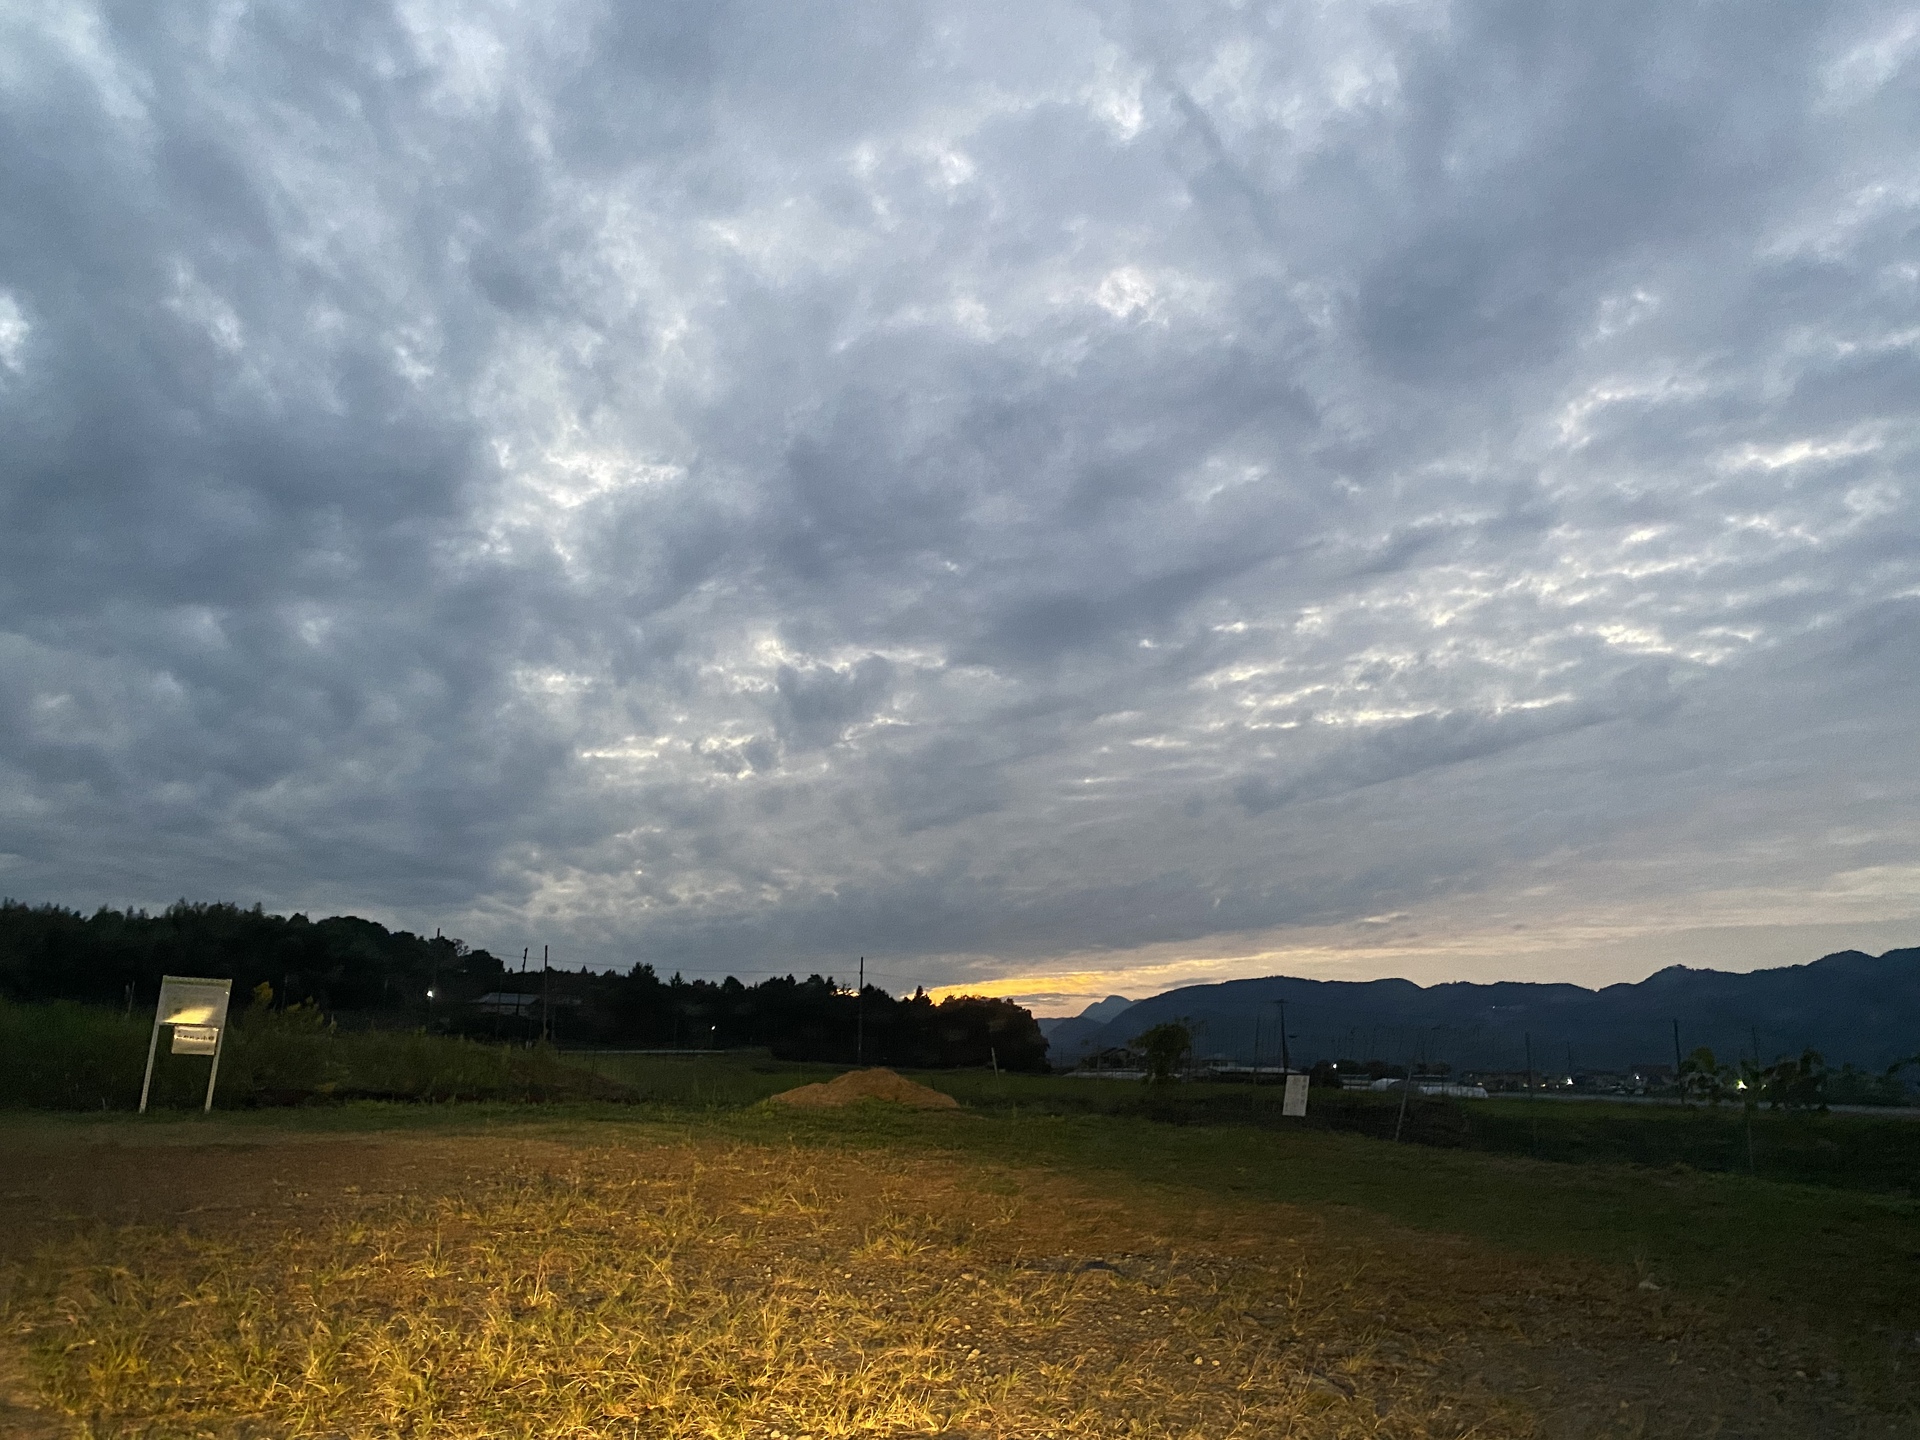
75 1058
1060 1258
1871 1152
1865 1152
696 1265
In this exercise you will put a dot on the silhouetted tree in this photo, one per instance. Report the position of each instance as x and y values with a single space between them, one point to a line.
1796 1084
1704 1078
1166 1048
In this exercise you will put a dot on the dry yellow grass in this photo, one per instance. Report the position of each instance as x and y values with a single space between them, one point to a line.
679 1287
690 1291
875 1083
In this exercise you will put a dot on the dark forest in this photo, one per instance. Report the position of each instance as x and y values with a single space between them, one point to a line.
362 974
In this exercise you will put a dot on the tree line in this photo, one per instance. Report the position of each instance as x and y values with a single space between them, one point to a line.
360 972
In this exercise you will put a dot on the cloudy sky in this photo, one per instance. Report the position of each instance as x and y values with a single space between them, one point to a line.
1054 498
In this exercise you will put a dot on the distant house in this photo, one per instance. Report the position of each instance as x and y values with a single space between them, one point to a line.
506 1002
1115 1060
1254 1074
1434 1086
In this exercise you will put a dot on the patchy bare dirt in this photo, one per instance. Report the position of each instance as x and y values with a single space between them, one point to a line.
994 1300
24 1413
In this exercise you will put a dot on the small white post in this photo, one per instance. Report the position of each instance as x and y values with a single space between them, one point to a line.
153 1044
214 1074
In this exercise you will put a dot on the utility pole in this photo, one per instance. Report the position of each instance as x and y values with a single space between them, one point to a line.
1406 1089
860 1017
1286 1057
1679 1080
546 997
1533 1121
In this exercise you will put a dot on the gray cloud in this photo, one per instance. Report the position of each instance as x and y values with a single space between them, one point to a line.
738 486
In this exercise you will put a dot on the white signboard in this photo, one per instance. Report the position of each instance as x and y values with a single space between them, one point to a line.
185 1000
1294 1102
196 1039
196 1008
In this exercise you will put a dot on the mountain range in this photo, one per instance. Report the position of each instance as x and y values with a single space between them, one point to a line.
1850 1006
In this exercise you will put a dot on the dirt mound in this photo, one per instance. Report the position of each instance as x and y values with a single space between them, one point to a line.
878 1083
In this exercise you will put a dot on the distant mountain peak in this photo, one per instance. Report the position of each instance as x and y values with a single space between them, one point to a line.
1067 1039
1107 1009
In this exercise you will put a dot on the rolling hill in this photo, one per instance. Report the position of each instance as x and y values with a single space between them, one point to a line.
1849 1006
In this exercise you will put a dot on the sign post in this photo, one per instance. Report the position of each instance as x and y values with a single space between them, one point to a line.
196 1009
1294 1099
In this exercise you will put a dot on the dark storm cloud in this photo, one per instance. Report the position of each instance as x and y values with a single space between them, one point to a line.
740 485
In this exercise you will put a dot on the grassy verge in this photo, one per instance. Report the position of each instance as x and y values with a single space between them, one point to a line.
701 1080
72 1057
1867 1152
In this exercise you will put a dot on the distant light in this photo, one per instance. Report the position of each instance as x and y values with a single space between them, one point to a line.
429 994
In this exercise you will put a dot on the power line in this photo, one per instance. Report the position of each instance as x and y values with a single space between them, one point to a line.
784 973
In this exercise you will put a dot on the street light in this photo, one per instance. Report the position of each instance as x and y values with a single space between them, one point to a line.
429 1011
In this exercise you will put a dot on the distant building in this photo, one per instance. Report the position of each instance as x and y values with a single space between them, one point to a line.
1434 1086
504 1002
